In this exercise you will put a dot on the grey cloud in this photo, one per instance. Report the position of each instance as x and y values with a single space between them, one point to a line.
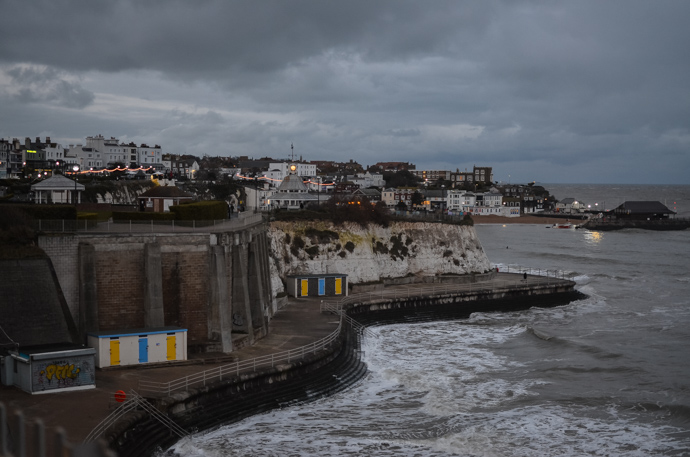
40 85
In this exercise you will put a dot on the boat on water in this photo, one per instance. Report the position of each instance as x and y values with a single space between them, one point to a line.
562 225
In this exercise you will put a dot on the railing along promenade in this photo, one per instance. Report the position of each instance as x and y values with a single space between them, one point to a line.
151 388
148 226
157 389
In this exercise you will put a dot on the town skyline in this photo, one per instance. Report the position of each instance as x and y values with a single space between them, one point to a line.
564 92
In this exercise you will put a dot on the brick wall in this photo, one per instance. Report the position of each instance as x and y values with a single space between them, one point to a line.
120 279
62 251
186 292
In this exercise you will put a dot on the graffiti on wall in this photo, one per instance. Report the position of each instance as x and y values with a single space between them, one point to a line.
61 373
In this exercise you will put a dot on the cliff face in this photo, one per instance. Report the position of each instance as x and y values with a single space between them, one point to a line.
374 253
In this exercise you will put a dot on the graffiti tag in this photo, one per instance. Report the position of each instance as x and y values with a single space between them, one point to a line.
60 372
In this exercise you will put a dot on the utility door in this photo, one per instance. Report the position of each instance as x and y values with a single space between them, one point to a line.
114 351
171 347
143 349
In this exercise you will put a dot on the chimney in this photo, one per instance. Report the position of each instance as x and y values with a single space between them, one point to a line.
48 139
38 140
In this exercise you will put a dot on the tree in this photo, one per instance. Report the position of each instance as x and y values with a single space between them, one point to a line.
401 178
417 198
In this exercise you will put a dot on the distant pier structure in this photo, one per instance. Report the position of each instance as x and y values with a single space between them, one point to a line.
648 215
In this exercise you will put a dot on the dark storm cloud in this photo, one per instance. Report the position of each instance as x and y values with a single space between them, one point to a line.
556 88
214 36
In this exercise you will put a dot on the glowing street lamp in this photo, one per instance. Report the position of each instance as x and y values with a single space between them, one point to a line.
76 169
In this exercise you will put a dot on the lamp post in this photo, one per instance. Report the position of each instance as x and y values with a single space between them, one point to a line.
256 194
443 200
76 169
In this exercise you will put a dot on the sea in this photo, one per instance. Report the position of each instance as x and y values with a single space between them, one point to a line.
606 375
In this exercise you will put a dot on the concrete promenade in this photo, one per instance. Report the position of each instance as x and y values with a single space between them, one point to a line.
299 323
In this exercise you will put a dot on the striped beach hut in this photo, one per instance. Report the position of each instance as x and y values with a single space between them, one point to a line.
317 285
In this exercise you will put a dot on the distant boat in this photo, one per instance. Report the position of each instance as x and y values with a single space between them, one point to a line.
563 225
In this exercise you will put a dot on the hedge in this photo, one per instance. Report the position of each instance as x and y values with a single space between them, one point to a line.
201 211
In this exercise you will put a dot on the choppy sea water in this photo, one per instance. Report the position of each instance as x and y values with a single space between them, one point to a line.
606 375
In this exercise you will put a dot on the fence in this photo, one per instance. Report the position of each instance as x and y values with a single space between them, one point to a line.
217 374
133 403
157 226
18 439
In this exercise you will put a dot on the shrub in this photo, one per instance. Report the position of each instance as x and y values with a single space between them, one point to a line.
350 246
200 211
312 251
321 236
298 242
380 248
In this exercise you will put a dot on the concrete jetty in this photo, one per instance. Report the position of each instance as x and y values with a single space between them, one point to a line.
296 325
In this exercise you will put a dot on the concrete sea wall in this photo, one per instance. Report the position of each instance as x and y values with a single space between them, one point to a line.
321 374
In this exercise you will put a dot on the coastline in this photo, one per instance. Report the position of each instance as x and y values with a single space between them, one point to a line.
502 220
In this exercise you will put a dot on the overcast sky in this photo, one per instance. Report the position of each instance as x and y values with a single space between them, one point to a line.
547 91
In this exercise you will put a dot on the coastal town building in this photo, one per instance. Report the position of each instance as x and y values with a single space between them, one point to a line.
57 189
393 166
432 175
113 153
570 206
371 195
86 158
392 196
364 180
642 211
159 199
291 194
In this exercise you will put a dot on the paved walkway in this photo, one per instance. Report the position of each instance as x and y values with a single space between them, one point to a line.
78 412
296 325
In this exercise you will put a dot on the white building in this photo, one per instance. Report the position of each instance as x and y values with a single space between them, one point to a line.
365 180
55 153
150 156
279 170
460 200
112 152
86 158
292 192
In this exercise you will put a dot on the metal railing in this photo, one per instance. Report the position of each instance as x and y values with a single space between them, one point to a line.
150 226
133 403
153 388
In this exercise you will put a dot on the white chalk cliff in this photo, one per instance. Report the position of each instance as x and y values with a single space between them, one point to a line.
373 253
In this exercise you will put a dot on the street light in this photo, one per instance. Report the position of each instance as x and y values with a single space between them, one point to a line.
443 199
256 194
76 169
